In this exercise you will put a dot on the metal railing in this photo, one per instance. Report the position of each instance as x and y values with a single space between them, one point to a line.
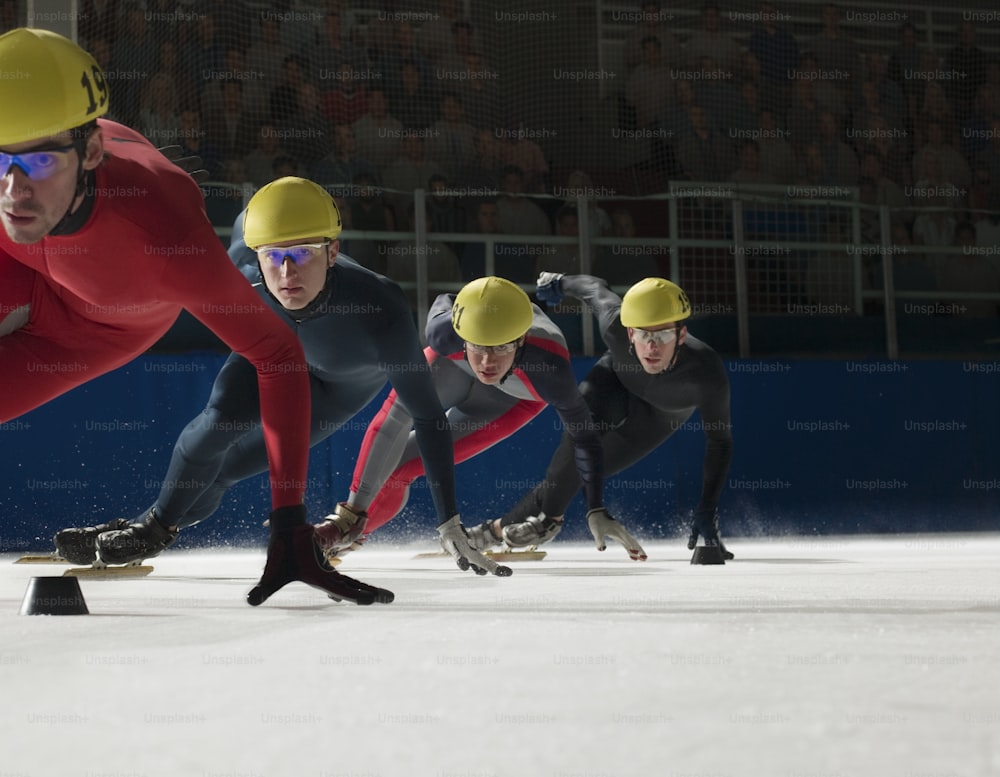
743 252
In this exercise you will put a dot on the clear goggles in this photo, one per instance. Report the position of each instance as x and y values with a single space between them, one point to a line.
504 349
658 336
300 254
37 165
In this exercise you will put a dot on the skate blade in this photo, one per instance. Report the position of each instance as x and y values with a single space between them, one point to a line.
109 573
528 554
41 558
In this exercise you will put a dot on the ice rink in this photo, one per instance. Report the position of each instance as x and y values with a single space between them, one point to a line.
811 657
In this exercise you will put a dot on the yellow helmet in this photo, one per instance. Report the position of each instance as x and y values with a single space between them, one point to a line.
290 208
48 85
491 311
654 301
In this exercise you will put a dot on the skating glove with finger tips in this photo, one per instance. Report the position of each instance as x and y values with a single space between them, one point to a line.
455 542
603 525
293 554
341 528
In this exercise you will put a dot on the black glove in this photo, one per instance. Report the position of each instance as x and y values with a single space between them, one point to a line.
192 165
705 522
293 554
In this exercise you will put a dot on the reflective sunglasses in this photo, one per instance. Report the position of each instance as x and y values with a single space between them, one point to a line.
37 165
497 350
660 336
300 254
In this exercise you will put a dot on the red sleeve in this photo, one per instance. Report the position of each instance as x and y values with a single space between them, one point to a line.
210 287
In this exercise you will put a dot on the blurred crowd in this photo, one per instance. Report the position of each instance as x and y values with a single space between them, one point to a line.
374 104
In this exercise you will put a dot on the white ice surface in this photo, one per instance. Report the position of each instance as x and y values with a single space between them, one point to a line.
834 657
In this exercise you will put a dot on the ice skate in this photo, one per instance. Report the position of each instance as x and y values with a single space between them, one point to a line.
79 546
135 542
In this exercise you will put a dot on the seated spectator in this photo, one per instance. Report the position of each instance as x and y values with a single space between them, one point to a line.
624 264
777 51
954 168
412 99
403 258
305 130
976 130
887 192
283 99
905 62
159 119
230 126
649 88
480 92
830 87
259 162
482 173
333 47
370 213
579 183
565 258
437 39
411 171
710 41
989 158
890 96
968 59
378 132
510 260
834 51
840 165
191 139
934 107
346 101
285 165
451 143
777 157
743 118
970 271
652 23
265 59
342 165
868 112
445 211
716 92
802 119
705 154
896 152
749 171
518 214
516 149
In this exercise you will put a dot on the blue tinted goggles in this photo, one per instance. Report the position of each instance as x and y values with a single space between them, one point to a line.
300 254
37 165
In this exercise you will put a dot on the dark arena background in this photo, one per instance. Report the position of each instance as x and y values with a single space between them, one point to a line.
822 179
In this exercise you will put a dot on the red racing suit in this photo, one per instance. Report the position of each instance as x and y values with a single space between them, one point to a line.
75 306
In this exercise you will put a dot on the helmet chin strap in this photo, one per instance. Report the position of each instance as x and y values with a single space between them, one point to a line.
73 220
513 364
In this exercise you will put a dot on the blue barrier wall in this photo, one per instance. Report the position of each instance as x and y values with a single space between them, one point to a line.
820 447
